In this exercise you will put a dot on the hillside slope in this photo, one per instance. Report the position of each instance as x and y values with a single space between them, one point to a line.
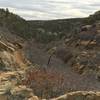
43 31
50 57
14 23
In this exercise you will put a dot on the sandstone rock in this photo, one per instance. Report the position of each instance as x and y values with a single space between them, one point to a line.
11 57
63 97
10 90
34 98
12 70
22 93
80 95
5 87
3 97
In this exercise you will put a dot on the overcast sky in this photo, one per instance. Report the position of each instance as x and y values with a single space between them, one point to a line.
51 9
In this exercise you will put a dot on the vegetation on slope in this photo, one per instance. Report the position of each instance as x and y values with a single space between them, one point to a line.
92 18
43 31
54 29
14 23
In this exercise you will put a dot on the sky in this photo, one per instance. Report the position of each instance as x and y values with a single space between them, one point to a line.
51 9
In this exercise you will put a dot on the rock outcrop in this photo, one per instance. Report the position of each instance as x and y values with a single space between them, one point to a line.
11 56
12 70
80 95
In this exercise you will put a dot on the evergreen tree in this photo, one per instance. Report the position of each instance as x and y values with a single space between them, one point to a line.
7 12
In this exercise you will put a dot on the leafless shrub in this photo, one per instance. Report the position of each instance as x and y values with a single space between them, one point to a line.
45 83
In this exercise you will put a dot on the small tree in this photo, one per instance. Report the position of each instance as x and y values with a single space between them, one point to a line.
51 52
7 12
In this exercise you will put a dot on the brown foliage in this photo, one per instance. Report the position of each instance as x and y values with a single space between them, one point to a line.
45 83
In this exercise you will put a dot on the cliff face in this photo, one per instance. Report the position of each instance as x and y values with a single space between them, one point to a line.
11 57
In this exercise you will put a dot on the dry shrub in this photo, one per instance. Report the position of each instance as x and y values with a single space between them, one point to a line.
64 54
45 83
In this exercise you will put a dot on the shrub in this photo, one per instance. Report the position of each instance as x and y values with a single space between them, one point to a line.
64 54
45 83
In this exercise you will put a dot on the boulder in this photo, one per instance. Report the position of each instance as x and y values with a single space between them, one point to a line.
5 87
21 91
80 95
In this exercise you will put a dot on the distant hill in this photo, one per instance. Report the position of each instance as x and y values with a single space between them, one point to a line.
56 29
43 31
92 18
14 23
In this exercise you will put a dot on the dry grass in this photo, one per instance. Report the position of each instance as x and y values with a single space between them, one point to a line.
45 83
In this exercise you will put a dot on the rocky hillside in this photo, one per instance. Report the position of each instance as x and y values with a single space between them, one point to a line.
77 56
42 62
12 70
40 30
